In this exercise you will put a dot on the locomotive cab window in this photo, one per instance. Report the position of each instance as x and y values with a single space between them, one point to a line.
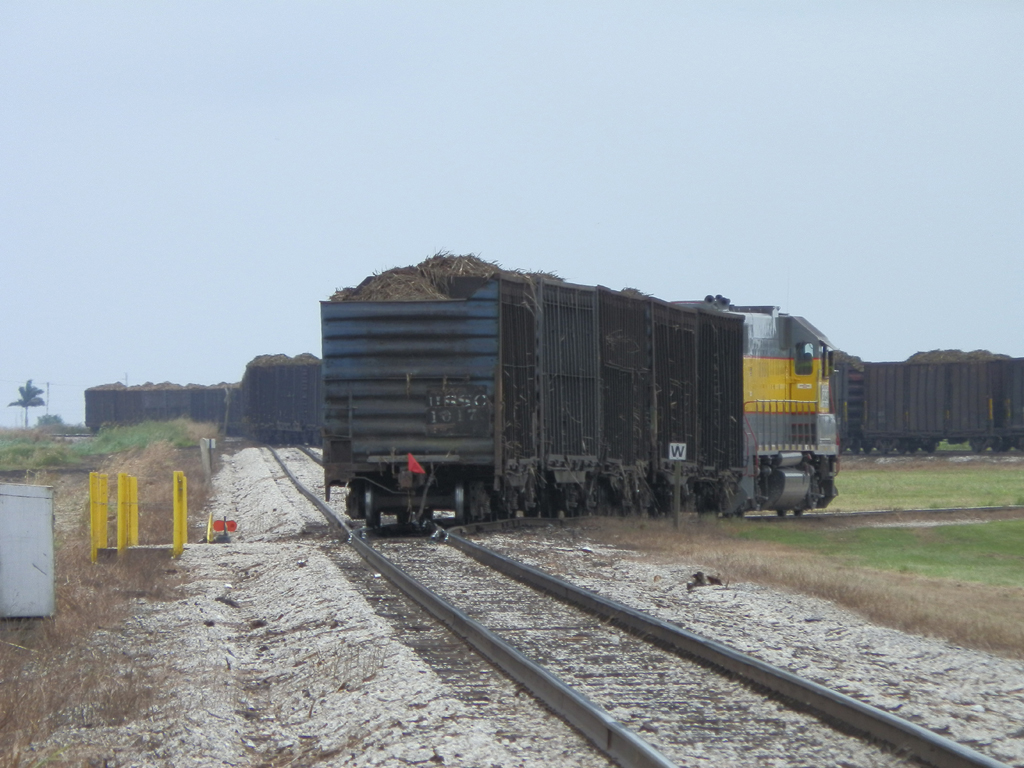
803 361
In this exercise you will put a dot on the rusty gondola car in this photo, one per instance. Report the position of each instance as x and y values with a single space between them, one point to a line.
520 394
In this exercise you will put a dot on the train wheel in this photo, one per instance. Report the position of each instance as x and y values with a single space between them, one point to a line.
978 444
370 507
574 500
354 501
479 502
780 512
460 501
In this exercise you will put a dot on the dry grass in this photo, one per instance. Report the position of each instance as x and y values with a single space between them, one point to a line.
68 670
973 615
153 466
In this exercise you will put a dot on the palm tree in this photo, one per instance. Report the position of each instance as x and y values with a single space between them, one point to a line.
30 398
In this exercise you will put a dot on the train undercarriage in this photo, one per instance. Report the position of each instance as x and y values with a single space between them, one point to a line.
906 445
474 494
791 481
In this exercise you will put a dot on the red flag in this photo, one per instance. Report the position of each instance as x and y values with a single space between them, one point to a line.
414 466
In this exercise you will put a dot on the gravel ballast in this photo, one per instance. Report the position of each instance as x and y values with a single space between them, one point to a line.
269 656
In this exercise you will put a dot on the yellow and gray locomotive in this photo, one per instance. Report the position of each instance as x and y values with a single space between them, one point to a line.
790 436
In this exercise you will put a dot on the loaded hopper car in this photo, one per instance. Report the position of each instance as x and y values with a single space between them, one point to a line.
527 395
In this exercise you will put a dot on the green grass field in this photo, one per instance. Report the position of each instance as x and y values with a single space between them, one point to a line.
957 485
36 449
987 553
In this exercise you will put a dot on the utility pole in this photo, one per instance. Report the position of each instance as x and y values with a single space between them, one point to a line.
47 398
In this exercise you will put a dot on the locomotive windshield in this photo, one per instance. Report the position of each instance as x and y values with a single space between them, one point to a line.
803 361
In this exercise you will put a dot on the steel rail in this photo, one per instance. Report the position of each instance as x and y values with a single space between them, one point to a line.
305 449
331 516
607 734
509 524
826 515
900 734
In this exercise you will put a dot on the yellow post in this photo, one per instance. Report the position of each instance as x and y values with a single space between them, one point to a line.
98 494
94 493
122 511
180 513
133 511
104 510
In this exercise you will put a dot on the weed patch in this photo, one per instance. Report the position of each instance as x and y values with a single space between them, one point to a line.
68 669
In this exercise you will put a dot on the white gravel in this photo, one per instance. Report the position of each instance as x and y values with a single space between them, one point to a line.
969 696
269 657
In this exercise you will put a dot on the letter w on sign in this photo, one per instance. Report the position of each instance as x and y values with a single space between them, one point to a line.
677 451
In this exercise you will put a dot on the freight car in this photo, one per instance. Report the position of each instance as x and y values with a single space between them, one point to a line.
279 402
912 406
848 396
283 399
524 394
791 444
117 404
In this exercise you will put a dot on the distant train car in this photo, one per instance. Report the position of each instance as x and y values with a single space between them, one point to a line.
518 394
117 404
848 399
910 406
283 399
1009 404
791 437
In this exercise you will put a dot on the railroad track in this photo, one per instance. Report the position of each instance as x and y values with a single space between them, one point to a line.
658 707
824 515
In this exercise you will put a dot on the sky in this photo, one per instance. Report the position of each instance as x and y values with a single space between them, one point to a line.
181 183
